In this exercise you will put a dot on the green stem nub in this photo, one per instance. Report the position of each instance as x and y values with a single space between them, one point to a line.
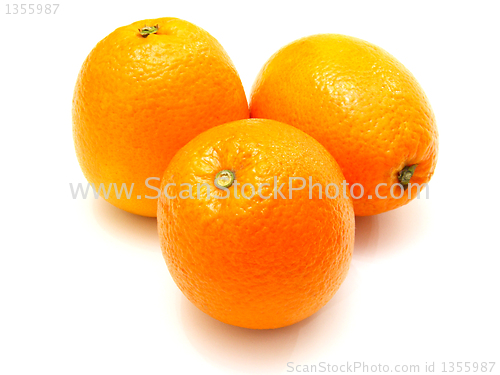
406 174
147 30
224 179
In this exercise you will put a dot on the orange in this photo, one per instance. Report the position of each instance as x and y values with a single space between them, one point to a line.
259 261
363 105
140 98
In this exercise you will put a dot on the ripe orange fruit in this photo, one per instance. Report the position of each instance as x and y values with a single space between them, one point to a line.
142 93
251 261
363 105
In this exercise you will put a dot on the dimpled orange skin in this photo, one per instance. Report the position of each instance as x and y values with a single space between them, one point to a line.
256 263
138 100
362 104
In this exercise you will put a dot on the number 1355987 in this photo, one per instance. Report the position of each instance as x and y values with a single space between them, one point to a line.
31 8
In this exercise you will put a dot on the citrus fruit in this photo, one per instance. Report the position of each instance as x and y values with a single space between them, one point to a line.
251 254
142 93
363 105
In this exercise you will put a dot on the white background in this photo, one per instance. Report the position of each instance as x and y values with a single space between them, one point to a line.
84 288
